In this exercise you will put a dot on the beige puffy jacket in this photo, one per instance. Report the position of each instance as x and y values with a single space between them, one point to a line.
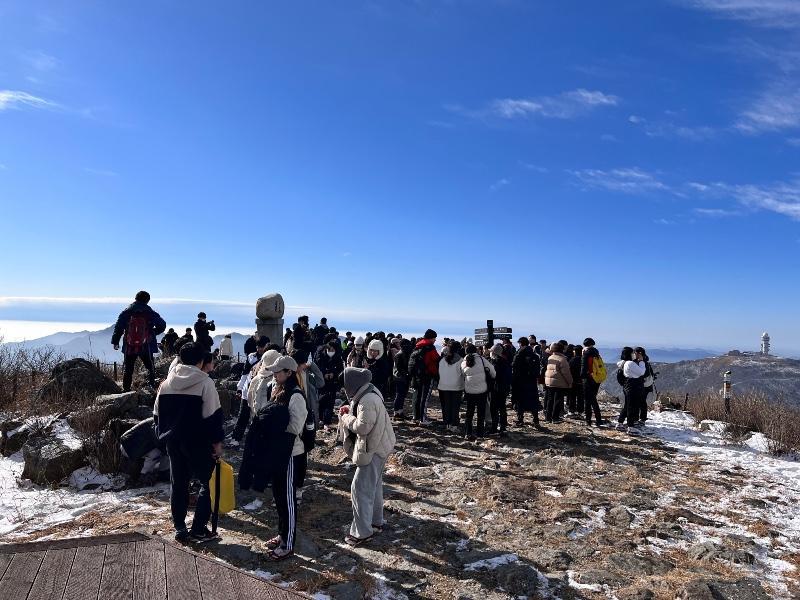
373 429
558 374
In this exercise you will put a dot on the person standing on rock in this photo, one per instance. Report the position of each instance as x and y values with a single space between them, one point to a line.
401 379
137 326
423 368
630 376
592 374
368 438
500 389
451 385
250 344
330 363
226 347
168 343
649 380
202 327
558 380
478 375
188 418
524 382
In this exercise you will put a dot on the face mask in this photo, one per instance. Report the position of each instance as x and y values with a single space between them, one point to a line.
331 353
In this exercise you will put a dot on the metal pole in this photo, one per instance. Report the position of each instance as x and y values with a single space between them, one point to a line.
490 332
726 391
115 370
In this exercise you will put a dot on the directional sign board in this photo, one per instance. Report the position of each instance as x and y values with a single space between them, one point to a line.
497 330
482 337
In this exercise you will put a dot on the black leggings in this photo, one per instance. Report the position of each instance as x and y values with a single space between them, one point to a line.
499 410
473 401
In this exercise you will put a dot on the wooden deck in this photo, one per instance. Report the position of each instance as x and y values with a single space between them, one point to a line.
130 566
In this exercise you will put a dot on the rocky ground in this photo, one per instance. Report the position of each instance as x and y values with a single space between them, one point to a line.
565 512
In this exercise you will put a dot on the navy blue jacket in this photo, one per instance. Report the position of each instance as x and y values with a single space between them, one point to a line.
157 325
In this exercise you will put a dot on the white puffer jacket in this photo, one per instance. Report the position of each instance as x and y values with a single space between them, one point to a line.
475 376
373 429
451 377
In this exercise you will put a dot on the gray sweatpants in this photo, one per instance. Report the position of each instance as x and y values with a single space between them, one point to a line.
367 495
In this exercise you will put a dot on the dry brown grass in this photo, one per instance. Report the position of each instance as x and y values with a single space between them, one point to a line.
753 412
22 371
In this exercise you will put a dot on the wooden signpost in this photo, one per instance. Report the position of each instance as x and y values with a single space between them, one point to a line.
490 333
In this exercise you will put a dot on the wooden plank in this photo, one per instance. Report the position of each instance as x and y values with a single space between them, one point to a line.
100 540
5 560
117 580
84 579
53 574
215 584
182 581
20 575
150 577
250 588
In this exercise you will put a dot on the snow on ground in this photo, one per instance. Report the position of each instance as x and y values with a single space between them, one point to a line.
766 492
491 563
25 507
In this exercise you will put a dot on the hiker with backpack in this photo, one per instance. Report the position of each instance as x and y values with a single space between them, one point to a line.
202 327
630 375
310 380
401 378
189 419
479 375
320 331
593 373
558 380
451 385
525 372
137 326
368 439
285 390
423 369
500 390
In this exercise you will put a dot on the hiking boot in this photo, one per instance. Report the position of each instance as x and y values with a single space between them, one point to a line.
182 536
202 536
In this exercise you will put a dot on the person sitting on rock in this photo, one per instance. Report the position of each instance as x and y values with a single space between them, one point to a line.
188 418
137 326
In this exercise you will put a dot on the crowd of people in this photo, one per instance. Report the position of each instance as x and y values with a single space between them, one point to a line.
290 390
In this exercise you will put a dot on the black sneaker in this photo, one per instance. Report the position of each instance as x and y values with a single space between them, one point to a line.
203 536
182 536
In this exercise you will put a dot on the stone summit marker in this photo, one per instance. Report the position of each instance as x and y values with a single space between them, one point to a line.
269 317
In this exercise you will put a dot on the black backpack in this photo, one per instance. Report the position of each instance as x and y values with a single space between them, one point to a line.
621 379
416 363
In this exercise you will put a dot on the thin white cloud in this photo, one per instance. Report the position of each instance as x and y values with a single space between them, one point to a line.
782 197
665 222
101 172
567 105
609 137
534 167
793 141
671 130
783 14
776 109
16 99
715 212
500 183
40 61
631 180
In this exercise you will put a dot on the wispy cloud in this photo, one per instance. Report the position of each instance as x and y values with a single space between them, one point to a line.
16 99
566 105
665 222
715 212
441 124
533 167
782 197
40 61
784 14
775 109
609 137
669 129
500 183
631 180
101 172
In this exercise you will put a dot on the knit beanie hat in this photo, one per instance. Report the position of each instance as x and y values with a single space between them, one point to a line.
359 341
497 350
355 379
430 334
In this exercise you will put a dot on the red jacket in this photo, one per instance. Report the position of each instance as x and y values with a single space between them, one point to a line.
431 358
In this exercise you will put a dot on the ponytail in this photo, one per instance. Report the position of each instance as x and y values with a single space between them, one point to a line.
470 360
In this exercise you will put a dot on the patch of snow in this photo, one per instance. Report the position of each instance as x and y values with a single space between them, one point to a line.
553 493
265 575
66 435
383 591
89 478
320 596
492 563
254 505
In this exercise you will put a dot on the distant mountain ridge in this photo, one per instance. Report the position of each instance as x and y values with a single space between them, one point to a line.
778 378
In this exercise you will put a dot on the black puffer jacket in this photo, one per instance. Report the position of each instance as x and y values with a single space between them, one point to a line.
267 447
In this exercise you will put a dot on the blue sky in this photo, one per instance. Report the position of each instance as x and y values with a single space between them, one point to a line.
627 170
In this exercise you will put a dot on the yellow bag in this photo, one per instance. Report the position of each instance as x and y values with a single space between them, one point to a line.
227 496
